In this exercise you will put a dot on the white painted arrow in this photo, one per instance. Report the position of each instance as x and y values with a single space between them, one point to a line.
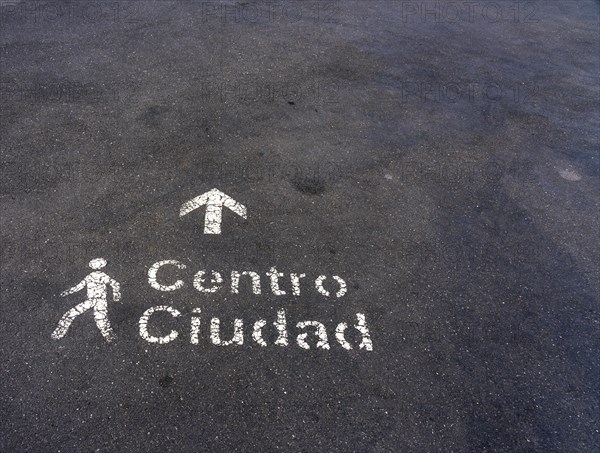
214 200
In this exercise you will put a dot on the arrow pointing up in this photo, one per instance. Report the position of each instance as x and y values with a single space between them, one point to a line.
214 200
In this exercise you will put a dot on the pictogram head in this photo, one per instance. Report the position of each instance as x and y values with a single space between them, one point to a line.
97 263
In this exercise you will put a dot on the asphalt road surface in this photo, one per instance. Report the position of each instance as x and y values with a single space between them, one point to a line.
440 159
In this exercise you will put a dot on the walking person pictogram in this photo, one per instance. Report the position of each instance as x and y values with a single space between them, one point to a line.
97 288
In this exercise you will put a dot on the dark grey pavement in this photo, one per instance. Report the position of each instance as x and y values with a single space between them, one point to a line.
441 158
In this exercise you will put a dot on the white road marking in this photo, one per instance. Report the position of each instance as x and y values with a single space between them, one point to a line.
215 281
281 326
274 275
195 326
257 332
154 270
235 281
364 330
97 287
214 200
312 327
320 331
296 283
339 335
322 290
215 333
361 326
97 284
144 325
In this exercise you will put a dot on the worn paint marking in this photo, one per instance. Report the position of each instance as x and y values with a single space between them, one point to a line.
214 200
97 288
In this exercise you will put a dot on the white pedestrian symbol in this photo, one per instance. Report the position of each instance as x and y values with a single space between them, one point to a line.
96 284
